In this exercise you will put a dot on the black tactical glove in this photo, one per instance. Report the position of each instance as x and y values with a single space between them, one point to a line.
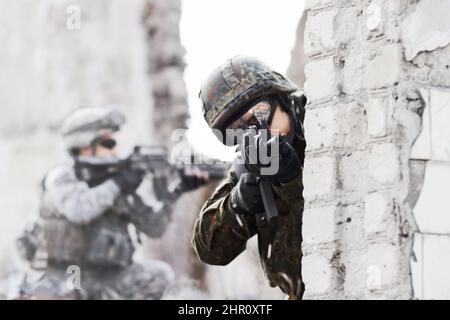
191 180
261 153
289 166
251 145
245 196
129 180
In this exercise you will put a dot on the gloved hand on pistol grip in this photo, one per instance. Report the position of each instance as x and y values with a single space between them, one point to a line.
129 180
289 166
254 151
246 196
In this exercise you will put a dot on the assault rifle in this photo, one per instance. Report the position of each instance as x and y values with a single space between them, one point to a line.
171 178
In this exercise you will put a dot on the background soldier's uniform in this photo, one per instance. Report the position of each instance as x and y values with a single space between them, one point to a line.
87 226
84 218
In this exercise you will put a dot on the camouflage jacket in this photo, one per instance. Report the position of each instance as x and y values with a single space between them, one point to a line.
89 225
220 233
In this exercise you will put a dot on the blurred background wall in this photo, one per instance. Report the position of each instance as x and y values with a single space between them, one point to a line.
58 55
64 54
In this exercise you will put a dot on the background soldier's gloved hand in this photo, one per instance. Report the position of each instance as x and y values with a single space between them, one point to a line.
289 164
246 196
191 180
129 180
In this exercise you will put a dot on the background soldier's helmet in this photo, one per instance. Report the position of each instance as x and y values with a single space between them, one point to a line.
84 125
229 89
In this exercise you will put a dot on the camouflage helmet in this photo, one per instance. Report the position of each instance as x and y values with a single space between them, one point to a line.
230 87
84 125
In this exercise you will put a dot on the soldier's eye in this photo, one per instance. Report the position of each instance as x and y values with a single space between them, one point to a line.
108 143
252 121
260 111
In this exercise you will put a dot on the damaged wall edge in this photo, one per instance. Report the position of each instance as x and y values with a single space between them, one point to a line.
368 78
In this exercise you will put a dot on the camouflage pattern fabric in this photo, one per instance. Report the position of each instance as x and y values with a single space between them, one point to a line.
88 227
221 233
238 81
83 125
148 281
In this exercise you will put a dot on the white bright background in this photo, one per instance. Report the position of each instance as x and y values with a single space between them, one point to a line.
214 30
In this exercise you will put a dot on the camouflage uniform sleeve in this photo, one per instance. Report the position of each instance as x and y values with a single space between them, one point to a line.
291 192
288 240
220 234
74 199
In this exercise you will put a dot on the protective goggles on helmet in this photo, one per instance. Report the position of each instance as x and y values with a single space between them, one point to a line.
259 110
107 143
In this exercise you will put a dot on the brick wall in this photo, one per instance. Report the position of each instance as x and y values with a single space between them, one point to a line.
363 115
425 35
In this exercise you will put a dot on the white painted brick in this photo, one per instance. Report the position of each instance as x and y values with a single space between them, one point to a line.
337 125
351 119
321 79
354 73
319 225
430 270
382 266
433 206
433 143
317 274
373 16
394 8
440 128
318 4
373 20
416 262
376 208
355 273
426 28
319 176
351 167
378 116
320 127
309 4
319 31
351 231
421 148
345 25
384 166
384 68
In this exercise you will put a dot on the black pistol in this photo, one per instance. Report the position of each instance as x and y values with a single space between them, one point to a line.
264 181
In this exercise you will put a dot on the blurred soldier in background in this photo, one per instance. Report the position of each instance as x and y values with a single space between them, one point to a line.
85 214
240 94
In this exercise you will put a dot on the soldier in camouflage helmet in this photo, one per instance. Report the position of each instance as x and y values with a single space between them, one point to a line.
232 98
85 214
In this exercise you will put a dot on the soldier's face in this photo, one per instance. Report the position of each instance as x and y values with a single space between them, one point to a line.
104 148
280 123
